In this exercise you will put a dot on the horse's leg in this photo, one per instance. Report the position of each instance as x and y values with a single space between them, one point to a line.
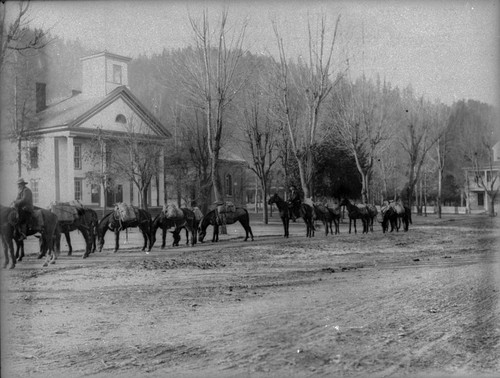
163 237
88 242
117 240
9 251
215 237
187 236
145 236
68 241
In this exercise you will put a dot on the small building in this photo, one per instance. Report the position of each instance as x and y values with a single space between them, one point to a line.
476 196
64 134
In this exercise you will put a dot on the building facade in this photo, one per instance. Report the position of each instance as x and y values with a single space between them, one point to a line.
476 195
58 150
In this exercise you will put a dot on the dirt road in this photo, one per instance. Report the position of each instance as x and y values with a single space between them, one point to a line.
422 303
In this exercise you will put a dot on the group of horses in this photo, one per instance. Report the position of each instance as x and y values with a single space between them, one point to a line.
92 229
391 214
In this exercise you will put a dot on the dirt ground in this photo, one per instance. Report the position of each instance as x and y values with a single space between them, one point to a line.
422 303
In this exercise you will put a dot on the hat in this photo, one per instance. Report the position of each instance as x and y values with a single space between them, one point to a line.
21 181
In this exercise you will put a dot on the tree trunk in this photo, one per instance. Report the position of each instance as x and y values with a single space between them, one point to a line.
491 211
265 216
439 196
144 198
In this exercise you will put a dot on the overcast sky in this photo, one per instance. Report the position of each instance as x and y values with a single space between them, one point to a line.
446 50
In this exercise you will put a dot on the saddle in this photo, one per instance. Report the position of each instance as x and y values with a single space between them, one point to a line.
65 211
197 214
124 212
171 211
225 207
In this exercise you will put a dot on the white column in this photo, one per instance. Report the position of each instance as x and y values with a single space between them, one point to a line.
161 178
69 194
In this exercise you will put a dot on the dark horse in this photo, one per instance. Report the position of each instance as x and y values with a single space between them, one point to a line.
283 210
85 222
307 213
356 212
49 235
187 221
7 230
213 219
111 221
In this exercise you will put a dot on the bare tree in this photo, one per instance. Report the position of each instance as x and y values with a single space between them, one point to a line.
18 36
476 123
362 121
303 88
134 154
101 175
445 138
210 74
260 134
418 135
16 40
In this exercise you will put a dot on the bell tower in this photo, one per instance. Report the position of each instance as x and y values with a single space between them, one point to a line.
103 72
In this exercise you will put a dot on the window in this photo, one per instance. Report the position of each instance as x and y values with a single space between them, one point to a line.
95 193
78 189
120 118
480 199
117 74
78 156
229 185
33 152
34 190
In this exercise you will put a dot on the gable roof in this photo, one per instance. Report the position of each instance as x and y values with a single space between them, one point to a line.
74 111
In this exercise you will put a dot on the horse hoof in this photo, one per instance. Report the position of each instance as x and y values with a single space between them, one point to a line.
40 256
115 251
12 266
53 262
45 264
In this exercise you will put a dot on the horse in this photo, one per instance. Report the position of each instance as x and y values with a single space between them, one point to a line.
306 212
335 214
325 216
49 234
7 230
283 210
212 218
388 217
85 222
187 221
356 212
403 213
111 221
372 214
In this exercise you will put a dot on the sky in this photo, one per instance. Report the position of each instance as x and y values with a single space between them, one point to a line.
446 50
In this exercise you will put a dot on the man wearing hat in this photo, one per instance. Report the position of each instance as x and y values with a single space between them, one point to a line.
24 206
294 201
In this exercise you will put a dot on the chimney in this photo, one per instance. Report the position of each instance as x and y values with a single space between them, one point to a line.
41 99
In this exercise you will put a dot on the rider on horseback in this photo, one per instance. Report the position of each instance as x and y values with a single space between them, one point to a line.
294 201
24 206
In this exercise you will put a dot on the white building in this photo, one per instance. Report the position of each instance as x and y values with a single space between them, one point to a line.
477 198
65 132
